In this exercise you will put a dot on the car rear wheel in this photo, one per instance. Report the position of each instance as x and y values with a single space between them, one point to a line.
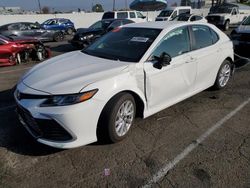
58 37
223 75
118 117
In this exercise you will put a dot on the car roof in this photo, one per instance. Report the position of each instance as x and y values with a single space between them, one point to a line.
158 25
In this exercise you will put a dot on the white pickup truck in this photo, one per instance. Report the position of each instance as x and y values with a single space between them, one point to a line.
227 14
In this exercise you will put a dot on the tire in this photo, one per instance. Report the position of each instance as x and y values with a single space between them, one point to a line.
58 37
115 122
223 75
41 53
18 59
226 25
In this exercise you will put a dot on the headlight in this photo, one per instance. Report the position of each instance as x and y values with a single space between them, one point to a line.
64 100
88 36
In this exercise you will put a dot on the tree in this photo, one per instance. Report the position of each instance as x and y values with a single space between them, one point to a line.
45 10
97 8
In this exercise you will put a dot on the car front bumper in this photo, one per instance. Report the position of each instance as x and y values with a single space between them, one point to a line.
67 126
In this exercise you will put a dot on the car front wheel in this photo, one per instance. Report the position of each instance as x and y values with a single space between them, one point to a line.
223 75
118 117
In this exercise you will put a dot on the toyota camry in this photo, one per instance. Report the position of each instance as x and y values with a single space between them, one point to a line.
133 71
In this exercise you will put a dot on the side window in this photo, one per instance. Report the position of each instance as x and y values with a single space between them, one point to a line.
184 11
175 43
122 15
108 15
14 27
23 27
198 18
215 36
234 12
132 15
202 37
174 14
139 15
193 18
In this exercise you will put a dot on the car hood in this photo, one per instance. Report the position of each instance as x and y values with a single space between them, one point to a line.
243 29
70 73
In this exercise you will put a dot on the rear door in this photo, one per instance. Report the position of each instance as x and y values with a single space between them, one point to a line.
206 52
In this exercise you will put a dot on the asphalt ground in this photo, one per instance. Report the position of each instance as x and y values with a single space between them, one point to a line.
203 141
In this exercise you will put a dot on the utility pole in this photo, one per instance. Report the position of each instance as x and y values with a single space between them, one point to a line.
113 5
126 4
39 5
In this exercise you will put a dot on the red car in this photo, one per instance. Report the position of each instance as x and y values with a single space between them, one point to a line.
17 50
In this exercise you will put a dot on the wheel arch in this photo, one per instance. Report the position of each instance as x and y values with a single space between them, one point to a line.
140 105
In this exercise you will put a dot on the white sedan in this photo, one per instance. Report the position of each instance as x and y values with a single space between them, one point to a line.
136 70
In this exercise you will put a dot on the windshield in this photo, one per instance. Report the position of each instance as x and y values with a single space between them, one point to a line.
246 21
123 44
165 13
221 10
50 22
103 24
183 17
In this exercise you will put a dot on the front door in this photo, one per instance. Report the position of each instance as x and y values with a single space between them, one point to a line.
173 82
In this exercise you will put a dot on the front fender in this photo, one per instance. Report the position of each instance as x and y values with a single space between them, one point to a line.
123 82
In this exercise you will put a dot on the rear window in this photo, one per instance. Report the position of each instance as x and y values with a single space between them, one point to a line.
132 15
108 15
122 15
184 11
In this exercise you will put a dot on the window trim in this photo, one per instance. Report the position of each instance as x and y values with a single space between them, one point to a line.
189 36
193 37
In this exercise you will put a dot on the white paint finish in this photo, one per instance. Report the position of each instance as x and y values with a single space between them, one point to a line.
170 165
77 72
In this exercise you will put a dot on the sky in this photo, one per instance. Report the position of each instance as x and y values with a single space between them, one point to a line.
58 5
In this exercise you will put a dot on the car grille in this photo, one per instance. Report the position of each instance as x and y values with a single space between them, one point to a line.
42 128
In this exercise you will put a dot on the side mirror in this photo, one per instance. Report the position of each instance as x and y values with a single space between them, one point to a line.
143 17
162 61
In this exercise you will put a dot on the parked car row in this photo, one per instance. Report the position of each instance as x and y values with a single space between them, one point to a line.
23 40
16 50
